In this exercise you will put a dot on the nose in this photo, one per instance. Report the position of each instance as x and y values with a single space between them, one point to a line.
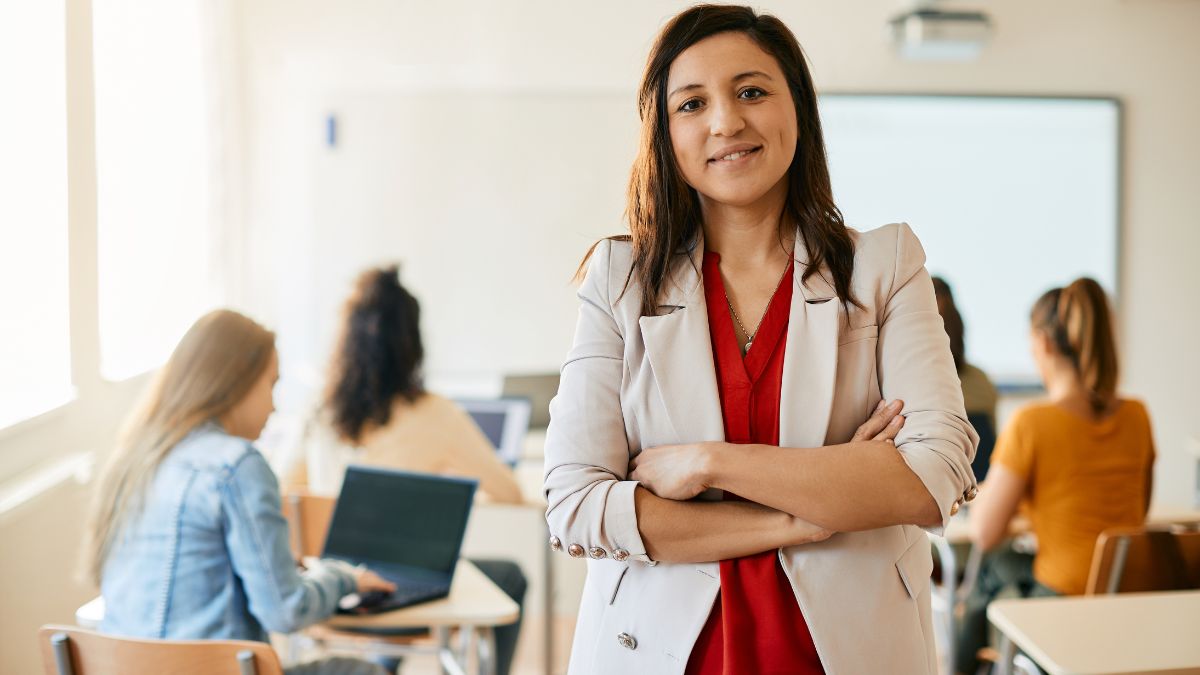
726 118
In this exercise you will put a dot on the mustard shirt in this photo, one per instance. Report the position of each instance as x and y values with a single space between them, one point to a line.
1081 478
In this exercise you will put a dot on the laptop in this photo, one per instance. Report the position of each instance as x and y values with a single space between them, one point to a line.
539 389
504 421
406 527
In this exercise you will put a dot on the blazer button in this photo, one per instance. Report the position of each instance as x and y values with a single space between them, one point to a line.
953 510
620 555
575 551
598 553
555 544
971 493
627 641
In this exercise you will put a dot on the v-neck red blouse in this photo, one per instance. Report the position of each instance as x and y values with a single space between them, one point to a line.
755 626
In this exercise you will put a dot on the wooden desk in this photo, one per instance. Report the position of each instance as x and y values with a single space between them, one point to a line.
1103 635
475 606
949 593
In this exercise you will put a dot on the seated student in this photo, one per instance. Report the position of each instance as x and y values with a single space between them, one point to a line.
376 411
979 394
186 536
1081 462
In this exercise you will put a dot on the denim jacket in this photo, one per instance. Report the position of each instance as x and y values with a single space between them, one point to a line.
204 554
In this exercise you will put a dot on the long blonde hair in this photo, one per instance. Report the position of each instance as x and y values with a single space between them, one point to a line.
212 369
1078 321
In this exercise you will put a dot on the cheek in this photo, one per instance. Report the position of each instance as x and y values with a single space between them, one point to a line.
685 150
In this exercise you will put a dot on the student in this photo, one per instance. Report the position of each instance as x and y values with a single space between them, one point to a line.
979 394
739 339
377 411
186 538
1081 462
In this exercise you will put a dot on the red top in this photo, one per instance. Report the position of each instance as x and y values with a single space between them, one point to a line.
756 626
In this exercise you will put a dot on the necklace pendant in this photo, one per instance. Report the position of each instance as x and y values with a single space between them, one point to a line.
746 350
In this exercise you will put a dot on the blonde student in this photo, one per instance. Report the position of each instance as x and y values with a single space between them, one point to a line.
186 536
1080 461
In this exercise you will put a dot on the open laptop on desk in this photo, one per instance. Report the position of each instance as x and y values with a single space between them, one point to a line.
406 527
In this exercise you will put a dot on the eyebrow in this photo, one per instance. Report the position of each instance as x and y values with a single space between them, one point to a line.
736 78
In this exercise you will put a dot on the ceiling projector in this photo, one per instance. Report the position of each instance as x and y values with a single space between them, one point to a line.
927 34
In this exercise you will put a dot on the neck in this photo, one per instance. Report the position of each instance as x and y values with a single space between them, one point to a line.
748 236
1063 386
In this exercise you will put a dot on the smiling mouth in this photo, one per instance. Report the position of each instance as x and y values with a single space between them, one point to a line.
734 156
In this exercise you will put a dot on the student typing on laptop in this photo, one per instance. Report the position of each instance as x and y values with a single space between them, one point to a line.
376 411
186 537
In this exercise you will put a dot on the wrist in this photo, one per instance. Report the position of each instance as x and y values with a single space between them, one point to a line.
713 458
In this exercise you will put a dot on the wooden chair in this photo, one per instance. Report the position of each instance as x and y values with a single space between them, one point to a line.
1141 559
68 650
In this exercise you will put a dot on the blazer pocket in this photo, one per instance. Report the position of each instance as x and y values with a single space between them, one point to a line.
612 596
856 334
915 567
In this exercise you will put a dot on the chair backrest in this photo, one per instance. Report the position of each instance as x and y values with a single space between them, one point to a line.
1141 559
69 650
308 519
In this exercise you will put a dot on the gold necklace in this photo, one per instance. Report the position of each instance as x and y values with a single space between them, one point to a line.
738 319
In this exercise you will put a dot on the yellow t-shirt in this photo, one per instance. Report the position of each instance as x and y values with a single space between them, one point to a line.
1081 478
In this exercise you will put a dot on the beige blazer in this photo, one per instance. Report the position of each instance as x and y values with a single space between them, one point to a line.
633 382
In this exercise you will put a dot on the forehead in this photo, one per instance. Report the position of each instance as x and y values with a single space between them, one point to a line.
719 58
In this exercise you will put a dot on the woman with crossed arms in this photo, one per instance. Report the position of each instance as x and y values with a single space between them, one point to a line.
760 410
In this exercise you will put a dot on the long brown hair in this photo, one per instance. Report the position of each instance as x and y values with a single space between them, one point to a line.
212 369
378 357
664 211
1078 321
951 321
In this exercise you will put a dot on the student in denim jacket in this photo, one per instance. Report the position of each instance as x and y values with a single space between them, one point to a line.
187 539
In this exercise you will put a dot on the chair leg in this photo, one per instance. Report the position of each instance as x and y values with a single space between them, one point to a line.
62 653
246 663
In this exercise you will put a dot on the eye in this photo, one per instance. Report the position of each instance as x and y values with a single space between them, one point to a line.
690 105
751 94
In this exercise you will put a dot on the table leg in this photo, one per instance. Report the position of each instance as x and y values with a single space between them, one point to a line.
487 650
1008 652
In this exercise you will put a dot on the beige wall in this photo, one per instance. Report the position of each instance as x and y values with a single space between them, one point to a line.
1142 52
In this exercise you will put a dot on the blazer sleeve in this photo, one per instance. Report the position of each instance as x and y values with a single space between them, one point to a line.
915 365
589 502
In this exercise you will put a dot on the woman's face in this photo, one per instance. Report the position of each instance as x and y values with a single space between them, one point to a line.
732 119
249 416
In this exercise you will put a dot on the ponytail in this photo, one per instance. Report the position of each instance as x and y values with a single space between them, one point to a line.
1078 321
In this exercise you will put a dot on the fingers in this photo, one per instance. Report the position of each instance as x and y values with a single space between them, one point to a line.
890 431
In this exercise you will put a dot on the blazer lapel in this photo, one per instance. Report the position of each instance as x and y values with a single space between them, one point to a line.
810 362
680 351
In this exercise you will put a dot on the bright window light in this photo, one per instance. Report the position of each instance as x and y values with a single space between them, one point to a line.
35 347
153 172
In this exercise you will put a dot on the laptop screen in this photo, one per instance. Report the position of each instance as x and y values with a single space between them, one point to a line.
504 421
398 518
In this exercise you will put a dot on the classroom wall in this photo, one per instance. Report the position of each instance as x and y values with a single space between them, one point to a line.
292 54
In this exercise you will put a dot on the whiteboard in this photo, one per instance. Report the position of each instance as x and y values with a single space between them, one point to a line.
1009 196
489 199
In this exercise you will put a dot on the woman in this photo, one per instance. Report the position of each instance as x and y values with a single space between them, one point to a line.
676 392
378 412
186 536
979 394
1082 462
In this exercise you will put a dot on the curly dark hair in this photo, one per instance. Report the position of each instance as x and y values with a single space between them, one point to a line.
378 356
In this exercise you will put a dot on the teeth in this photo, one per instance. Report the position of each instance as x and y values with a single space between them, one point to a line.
736 155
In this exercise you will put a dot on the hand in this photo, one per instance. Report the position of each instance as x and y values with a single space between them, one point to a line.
807 533
368 581
883 424
677 472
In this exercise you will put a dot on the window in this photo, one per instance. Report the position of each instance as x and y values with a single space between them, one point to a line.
35 349
153 169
